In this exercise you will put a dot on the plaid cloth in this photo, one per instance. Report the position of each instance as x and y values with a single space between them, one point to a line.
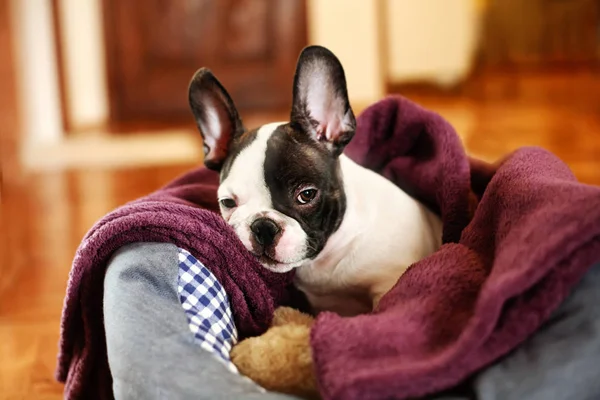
207 308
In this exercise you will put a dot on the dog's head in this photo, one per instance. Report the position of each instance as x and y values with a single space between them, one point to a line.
281 185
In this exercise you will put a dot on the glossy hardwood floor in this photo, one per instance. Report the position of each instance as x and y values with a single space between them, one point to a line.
45 215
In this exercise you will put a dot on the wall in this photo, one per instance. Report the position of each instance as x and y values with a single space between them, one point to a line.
82 42
83 59
431 40
397 40
350 29
10 137
37 72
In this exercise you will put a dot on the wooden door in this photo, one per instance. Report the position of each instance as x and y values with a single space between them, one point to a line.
541 33
153 48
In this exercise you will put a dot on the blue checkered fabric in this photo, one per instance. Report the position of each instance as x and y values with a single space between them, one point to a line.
207 308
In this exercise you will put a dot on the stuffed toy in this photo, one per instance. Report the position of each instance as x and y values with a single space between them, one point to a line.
280 360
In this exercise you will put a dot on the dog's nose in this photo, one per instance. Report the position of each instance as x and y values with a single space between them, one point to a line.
264 231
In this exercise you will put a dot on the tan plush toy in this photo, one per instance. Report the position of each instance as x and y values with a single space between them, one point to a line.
280 360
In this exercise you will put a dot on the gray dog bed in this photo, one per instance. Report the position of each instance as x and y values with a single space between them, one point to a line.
153 352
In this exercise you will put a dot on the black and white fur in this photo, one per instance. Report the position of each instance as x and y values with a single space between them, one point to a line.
296 201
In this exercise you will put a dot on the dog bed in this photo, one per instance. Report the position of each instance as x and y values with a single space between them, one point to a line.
161 288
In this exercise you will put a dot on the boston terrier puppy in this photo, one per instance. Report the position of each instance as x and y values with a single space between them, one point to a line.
296 202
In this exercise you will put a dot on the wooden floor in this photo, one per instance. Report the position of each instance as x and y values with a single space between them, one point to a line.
45 215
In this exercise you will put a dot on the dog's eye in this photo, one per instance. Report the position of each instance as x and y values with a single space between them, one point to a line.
306 196
228 203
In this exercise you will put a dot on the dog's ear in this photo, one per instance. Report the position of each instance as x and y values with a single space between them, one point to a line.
216 117
320 102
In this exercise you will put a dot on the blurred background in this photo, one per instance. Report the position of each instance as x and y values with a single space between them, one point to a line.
93 109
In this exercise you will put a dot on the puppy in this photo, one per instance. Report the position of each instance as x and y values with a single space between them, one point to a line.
297 202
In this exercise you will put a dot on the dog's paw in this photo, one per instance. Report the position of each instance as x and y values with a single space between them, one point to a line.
290 316
279 360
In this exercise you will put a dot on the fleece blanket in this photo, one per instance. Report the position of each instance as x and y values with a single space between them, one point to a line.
499 275
518 236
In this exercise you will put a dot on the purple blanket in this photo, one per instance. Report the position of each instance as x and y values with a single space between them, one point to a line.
518 236
534 234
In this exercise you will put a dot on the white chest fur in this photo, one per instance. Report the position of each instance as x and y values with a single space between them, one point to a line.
384 231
